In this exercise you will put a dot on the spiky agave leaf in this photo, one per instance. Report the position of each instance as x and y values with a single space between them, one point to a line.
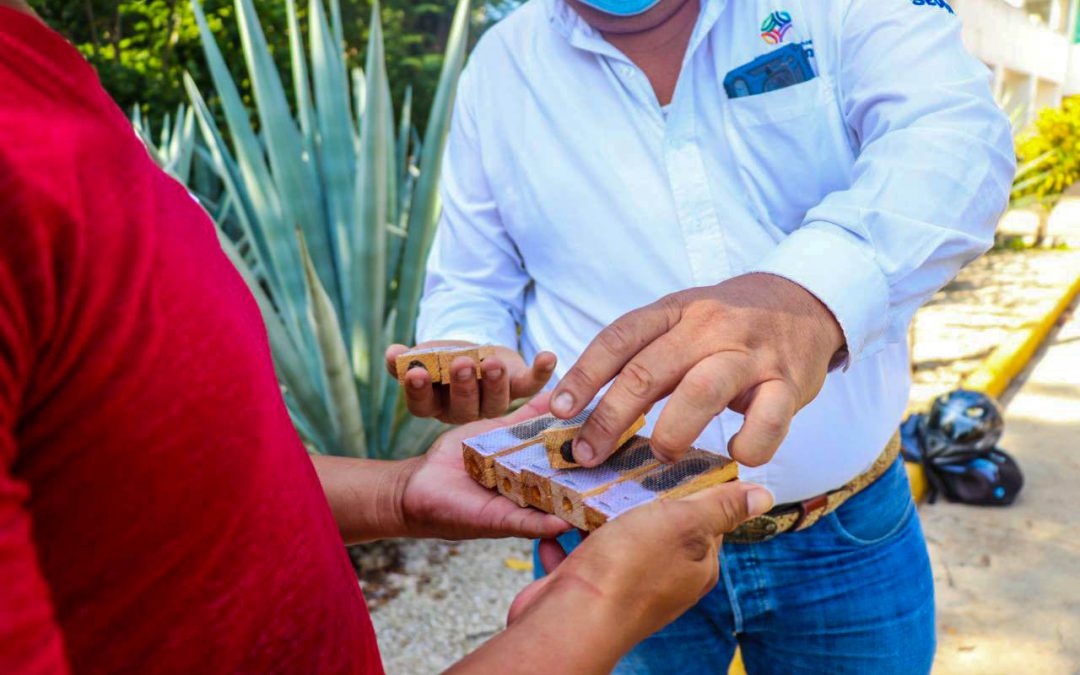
306 405
347 176
369 241
423 210
294 173
341 390
336 148
425 198
282 269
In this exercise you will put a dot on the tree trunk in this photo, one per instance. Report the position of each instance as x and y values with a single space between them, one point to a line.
95 39
1043 226
117 27
170 41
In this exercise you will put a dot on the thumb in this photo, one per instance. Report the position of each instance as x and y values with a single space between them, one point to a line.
551 554
726 506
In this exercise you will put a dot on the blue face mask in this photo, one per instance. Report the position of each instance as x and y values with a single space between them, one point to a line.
621 7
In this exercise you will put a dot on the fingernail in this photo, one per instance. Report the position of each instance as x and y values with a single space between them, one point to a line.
416 383
583 452
463 374
495 373
758 501
562 404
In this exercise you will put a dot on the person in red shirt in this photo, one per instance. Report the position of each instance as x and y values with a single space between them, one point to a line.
158 512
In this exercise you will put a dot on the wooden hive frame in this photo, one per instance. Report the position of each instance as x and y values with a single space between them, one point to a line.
514 460
509 468
559 439
437 361
480 452
569 489
696 471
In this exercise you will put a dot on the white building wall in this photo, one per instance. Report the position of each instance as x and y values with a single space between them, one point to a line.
1027 44
1000 34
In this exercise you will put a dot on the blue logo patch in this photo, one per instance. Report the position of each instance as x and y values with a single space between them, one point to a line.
940 4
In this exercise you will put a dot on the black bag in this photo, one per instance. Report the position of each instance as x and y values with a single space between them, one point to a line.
985 477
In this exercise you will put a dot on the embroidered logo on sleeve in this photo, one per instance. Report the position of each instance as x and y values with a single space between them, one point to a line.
940 4
776 26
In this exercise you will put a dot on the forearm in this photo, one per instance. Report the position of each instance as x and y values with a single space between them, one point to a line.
931 176
567 631
365 495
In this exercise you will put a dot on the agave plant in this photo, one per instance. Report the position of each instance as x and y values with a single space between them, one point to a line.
336 205
179 150
175 146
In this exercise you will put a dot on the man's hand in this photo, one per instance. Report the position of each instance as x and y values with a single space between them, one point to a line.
627 580
506 377
440 499
758 344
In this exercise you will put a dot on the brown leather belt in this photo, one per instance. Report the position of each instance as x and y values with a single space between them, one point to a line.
801 515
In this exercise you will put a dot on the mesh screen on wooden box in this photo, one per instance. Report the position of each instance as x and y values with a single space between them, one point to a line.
515 462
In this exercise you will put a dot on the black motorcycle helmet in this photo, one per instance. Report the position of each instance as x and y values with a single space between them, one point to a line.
961 422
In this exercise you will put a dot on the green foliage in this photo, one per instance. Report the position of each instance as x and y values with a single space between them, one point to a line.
1048 154
142 48
335 205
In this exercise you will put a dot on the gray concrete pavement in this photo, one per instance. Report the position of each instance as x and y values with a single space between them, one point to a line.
1008 579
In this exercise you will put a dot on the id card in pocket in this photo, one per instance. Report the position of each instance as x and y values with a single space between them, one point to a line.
780 68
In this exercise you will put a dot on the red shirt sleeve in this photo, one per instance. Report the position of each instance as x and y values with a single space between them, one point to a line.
158 512
30 639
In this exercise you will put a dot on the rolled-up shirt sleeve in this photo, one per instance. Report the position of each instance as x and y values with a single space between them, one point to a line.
932 176
476 279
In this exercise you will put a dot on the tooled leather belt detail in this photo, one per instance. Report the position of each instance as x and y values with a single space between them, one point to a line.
801 515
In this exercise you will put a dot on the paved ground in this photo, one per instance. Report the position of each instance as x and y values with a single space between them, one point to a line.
450 598
1008 580
992 297
1062 224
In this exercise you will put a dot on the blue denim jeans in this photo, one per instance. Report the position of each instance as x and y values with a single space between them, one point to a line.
851 594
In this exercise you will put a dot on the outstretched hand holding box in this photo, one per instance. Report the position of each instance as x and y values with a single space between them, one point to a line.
458 382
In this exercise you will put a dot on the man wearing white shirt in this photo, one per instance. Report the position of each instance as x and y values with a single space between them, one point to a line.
739 204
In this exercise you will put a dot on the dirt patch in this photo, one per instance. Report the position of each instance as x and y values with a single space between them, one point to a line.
377 565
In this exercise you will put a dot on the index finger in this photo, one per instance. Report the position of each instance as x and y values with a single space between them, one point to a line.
608 352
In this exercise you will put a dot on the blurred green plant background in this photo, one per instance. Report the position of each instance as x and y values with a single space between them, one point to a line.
314 138
142 48
326 198
327 207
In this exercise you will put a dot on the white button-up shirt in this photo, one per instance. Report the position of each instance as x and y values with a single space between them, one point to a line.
570 197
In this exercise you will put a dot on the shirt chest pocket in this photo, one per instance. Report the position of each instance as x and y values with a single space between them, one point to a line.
792 148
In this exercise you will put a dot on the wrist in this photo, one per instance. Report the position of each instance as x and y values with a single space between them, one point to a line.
824 328
394 501
365 495
592 632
